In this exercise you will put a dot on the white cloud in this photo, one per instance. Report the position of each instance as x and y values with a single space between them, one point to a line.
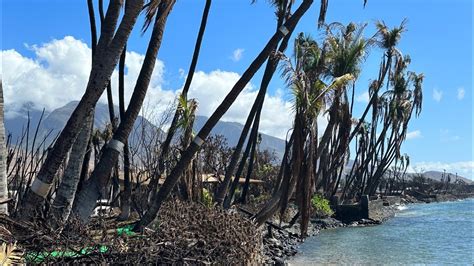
237 54
414 135
463 168
363 98
461 93
211 88
437 95
58 74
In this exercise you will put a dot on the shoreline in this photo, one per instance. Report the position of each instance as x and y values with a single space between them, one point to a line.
282 246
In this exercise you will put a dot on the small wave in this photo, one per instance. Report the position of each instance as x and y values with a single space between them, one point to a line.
402 207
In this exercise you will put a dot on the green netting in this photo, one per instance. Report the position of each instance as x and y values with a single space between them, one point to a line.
39 257
127 230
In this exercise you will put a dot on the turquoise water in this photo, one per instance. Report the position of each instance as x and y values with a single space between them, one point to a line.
436 233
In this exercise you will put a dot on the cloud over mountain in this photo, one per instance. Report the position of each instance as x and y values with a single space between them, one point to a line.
59 70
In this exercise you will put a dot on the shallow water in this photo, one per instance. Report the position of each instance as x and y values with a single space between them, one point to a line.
436 233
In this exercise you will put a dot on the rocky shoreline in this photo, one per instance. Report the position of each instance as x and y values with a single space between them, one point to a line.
281 244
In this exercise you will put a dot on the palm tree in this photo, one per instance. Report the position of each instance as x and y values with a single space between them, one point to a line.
66 192
92 190
388 40
127 186
187 156
283 9
304 77
3 159
165 147
109 48
346 51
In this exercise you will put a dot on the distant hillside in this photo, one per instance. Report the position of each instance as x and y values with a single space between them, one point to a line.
232 130
434 175
56 120
438 175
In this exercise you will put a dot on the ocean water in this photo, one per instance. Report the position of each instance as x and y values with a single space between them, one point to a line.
436 233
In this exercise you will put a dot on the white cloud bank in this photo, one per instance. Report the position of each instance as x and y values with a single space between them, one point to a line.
59 73
59 70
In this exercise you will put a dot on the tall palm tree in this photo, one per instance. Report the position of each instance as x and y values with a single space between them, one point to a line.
304 77
3 159
346 50
66 192
125 200
165 147
388 40
187 156
109 48
112 117
283 10
93 188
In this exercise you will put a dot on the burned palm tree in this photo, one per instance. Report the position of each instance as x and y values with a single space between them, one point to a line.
165 147
190 184
391 113
346 50
298 170
3 160
224 193
93 188
201 136
109 48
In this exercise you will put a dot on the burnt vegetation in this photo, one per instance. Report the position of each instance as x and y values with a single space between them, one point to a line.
178 196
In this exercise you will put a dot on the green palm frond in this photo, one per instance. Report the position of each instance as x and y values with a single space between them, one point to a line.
187 110
389 38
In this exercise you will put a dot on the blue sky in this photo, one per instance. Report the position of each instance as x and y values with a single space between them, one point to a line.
439 41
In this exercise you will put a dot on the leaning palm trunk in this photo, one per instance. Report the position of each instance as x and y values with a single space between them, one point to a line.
62 204
187 156
109 48
93 188
3 159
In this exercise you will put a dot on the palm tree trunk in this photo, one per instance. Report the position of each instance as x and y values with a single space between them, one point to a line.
127 186
109 48
66 192
112 117
3 159
235 182
87 157
177 171
100 176
62 204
